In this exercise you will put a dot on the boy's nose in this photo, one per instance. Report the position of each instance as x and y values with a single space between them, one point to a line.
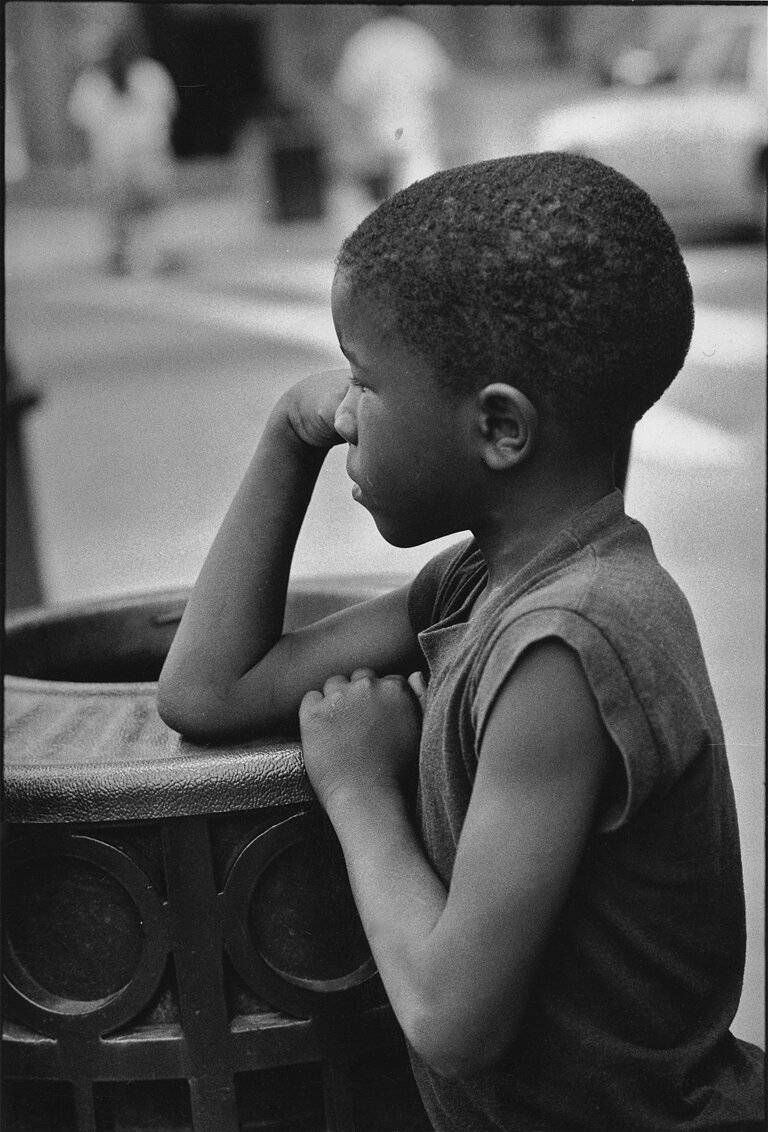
345 420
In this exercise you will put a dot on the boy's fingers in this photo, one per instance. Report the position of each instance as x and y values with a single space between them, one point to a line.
395 678
311 699
334 682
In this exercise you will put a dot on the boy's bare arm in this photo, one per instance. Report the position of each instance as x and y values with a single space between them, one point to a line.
230 668
458 964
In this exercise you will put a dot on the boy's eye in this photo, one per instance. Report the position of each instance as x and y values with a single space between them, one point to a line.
356 382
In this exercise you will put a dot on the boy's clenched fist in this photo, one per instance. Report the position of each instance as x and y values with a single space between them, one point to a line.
360 735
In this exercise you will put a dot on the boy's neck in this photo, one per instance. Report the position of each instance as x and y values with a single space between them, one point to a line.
513 533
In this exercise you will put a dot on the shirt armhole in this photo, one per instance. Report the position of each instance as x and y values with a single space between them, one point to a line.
620 709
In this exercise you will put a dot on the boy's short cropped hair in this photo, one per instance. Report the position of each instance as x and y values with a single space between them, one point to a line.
549 271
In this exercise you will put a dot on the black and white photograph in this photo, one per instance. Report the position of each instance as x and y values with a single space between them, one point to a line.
385 567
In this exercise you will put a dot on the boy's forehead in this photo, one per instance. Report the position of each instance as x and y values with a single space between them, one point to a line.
370 336
358 310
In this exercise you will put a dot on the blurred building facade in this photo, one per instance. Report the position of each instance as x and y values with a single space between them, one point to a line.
237 62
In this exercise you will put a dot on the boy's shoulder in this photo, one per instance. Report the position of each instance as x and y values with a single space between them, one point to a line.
602 563
609 572
598 587
605 584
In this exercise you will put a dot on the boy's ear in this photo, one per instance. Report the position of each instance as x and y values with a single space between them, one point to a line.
508 425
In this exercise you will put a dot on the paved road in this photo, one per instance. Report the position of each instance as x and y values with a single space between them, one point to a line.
154 393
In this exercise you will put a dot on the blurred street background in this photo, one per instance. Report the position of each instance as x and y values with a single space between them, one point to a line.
140 396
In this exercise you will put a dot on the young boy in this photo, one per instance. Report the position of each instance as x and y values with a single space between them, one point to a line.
559 919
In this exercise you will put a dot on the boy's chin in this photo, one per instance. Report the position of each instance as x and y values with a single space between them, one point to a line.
403 536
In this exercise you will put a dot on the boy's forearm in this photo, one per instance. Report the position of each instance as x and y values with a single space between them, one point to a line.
428 967
235 613
399 897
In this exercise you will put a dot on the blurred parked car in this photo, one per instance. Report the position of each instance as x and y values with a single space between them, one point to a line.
695 139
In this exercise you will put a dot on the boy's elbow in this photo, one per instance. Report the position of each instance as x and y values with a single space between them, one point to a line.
456 1046
206 712
170 707
183 709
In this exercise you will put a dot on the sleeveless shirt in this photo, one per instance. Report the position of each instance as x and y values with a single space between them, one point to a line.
627 1023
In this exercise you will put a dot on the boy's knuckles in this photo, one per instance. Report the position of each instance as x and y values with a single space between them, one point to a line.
363 674
395 682
334 683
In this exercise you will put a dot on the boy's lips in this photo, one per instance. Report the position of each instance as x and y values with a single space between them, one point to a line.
357 491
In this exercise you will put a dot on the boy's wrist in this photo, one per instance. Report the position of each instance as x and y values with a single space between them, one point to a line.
356 802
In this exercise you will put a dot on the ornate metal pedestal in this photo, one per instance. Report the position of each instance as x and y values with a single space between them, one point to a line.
181 947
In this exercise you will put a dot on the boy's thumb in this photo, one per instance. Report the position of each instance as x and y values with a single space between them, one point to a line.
418 686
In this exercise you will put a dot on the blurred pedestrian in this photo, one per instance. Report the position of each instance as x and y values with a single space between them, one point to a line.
388 83
125 104
16 153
